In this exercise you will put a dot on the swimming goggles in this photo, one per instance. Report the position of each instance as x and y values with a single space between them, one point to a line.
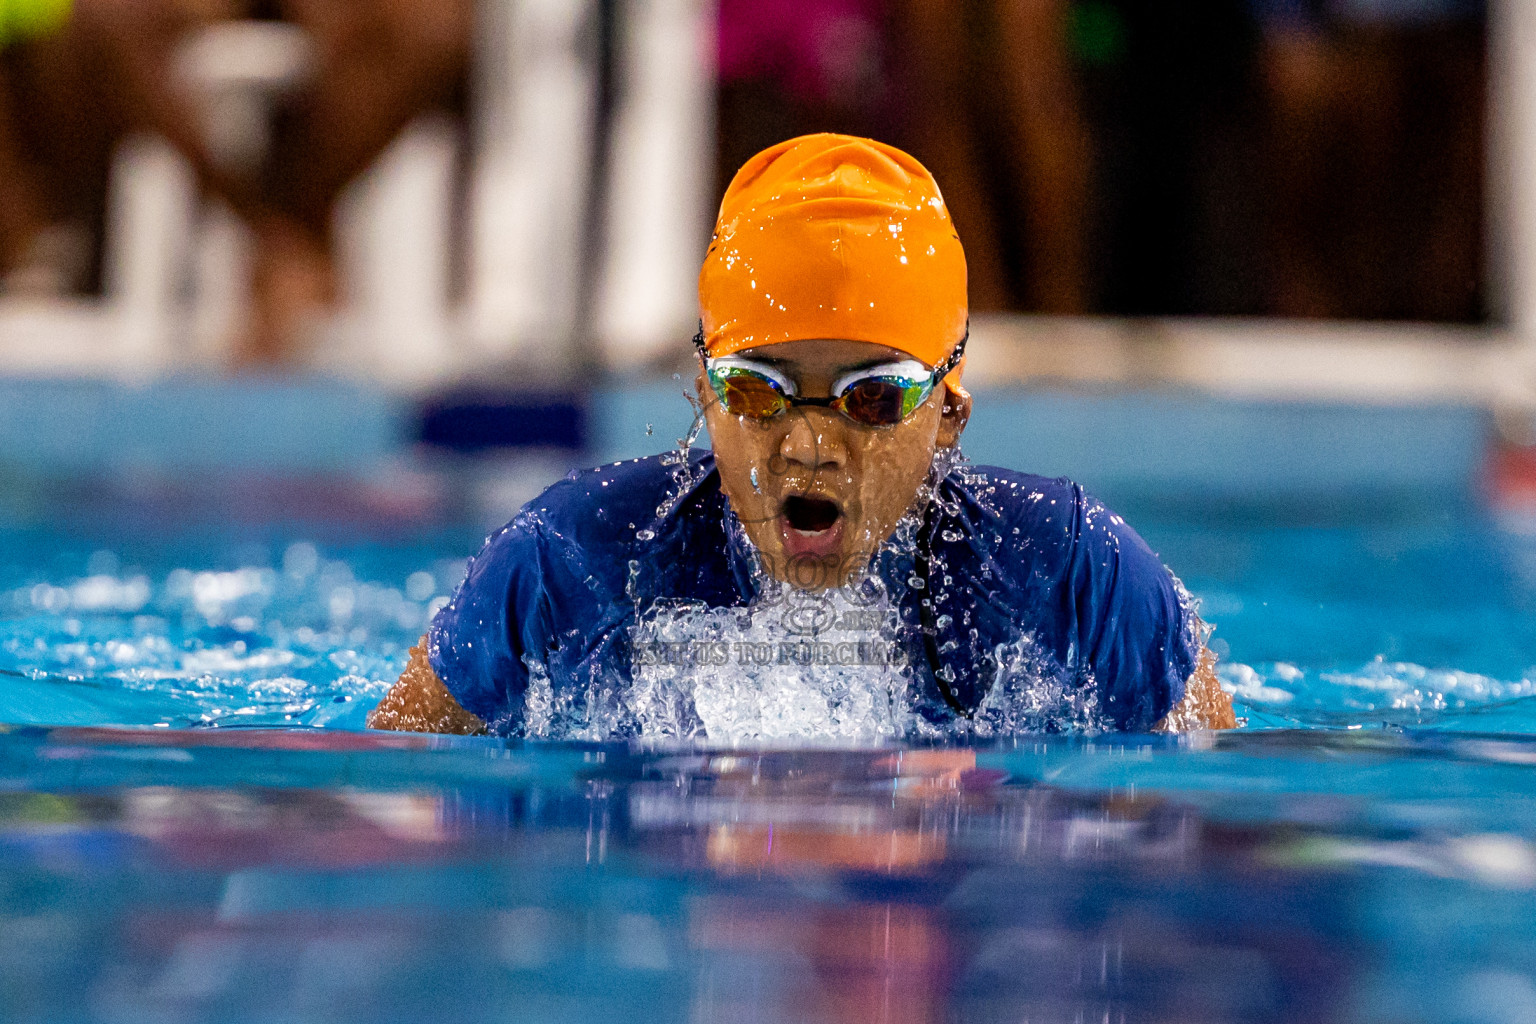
878 396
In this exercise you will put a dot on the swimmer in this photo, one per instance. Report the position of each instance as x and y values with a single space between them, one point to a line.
834 322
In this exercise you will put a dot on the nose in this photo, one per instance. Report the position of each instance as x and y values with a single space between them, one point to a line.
814 441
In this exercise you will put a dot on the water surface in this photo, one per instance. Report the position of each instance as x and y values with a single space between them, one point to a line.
194 828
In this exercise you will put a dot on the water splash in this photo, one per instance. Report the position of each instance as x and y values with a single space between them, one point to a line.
686 472
794 667
304 642
546 713
1281 694
1032 693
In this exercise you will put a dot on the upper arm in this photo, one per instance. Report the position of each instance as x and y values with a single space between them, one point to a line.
1135 627
498 617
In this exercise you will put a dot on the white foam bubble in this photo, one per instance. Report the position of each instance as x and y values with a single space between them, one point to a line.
793 668
1396 688
1032 693
1247 683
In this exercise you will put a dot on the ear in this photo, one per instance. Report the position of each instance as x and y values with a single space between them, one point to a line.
957 413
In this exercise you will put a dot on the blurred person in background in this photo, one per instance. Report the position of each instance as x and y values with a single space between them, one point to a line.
70 87
993 104
1228 157
101 70
1169 100
1375 157
984 94
1060 128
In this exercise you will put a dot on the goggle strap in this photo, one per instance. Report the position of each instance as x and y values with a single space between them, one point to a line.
944 368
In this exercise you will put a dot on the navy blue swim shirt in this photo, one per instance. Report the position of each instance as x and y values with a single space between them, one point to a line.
1000 556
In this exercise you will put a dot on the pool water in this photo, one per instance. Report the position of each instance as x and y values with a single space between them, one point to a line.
1261 876
194 827
1417 615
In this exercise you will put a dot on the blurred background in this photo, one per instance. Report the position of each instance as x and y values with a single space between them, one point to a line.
299 298
308 235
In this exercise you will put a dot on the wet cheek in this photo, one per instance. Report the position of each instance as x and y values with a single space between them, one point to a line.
891 474
740 445
876 481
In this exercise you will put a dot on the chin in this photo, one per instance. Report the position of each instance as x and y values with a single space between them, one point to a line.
814 572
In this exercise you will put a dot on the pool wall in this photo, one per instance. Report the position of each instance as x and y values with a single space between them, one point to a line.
1114 443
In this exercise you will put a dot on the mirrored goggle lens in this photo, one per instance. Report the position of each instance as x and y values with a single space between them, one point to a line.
744 393
881 401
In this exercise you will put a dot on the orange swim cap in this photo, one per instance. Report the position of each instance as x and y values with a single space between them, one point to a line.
831 236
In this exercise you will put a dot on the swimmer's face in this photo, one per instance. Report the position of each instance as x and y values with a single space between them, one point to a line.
817 492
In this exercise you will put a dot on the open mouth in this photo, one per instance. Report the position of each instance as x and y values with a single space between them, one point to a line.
810 515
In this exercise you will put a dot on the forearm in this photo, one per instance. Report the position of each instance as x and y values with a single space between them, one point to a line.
419 702
1205 704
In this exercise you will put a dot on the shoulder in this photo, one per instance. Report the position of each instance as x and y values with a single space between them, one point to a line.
1052 525
1014 510
605 507
622 496
1012 495
591 520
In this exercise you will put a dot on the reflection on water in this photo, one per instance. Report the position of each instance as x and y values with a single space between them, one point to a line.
1315 876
